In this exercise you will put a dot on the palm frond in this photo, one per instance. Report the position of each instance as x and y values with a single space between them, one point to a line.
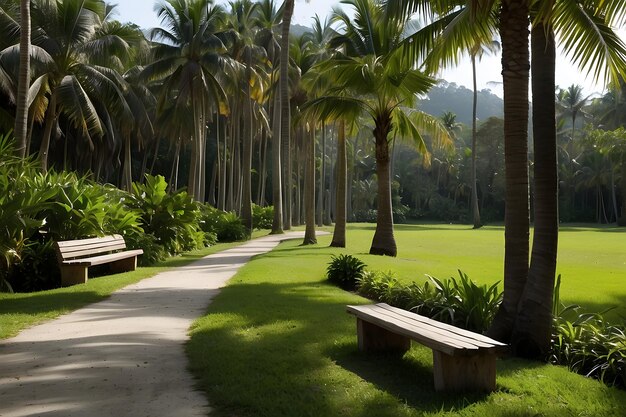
590 42
76 105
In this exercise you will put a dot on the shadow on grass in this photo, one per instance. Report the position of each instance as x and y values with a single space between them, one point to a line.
290 350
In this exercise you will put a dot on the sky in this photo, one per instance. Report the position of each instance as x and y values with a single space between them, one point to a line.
141 12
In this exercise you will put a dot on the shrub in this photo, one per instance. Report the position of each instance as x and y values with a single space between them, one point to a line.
152 251
262 217
461 303
365 216
226 226
345 271
587 344
173 219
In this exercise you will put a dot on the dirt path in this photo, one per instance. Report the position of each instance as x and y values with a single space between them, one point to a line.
123 356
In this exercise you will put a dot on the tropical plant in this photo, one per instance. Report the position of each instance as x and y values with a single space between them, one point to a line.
462 303
262 216
345 271
173 218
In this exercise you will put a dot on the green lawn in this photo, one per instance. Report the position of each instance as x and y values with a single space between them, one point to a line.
277 340
592 260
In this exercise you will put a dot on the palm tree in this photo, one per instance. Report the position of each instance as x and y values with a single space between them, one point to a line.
602 53
373 76
572 102
21 113
284 143
242 21
189 61
79 89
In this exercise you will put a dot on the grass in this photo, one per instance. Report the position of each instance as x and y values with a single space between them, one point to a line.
277 342
19 311
591 260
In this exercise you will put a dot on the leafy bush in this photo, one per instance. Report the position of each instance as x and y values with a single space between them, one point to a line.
587 344
173 219
365 216
345 271
226 226
152 251
461 303
262 217
81 208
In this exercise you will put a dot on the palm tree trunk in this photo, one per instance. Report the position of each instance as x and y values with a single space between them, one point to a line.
383 242
322 182
47 132
533 328
475 209
285 122
23 84
339 234
277 201
514 23
127 179
246 200
309 190
622 220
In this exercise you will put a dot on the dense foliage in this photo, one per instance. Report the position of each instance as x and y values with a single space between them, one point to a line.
462 303
37 209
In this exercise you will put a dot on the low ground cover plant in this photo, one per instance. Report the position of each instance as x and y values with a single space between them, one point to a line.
345 271
587 343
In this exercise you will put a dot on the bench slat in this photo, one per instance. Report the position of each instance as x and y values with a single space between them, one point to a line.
93 249
82 242
429 332
448 327
449 347
103 259
430 326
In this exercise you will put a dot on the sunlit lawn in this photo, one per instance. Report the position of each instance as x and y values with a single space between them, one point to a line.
591 260
278 342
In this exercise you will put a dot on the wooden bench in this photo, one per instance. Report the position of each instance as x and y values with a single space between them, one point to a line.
76 256
462 360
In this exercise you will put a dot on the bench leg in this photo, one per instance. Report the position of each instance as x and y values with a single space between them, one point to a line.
372 338
123 265
72 275
464 373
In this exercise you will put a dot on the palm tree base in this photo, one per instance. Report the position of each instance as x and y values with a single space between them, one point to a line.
383 251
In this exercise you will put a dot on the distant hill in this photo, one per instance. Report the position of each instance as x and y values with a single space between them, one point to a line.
298 30
458 99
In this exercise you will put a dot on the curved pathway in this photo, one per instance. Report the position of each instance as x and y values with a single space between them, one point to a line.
123 356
